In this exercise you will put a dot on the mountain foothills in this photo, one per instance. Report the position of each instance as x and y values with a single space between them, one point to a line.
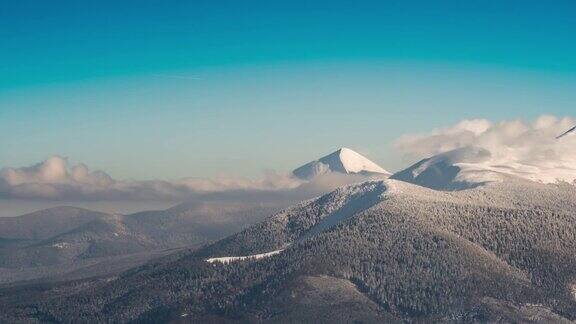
454 238
61 242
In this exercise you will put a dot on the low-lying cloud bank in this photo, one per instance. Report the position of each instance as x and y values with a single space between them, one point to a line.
527 149
55 179
530 148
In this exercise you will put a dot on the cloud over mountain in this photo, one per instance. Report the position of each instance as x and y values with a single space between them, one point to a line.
529 150
524 141
56 179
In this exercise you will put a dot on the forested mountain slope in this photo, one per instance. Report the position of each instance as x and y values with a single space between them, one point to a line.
502 252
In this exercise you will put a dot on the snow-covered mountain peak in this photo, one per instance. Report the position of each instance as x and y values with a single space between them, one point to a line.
469 167
344 160
355 163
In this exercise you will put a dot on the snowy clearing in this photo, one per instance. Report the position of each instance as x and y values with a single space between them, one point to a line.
240 258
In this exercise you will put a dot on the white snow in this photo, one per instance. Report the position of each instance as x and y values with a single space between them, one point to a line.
348 201
470 166
61 245
344 161
355 163
229 259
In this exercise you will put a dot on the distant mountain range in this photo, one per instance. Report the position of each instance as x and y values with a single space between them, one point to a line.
453 238
55 241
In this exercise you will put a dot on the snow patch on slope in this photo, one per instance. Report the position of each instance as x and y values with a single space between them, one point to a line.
61 245
358 197
228 259
310 218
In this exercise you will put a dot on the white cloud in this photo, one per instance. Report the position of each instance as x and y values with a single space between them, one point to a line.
55 179
528 147
531 148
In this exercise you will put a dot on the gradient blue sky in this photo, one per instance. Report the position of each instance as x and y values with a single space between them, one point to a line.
167 89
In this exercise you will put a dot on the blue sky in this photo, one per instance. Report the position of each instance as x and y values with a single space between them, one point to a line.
166 89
